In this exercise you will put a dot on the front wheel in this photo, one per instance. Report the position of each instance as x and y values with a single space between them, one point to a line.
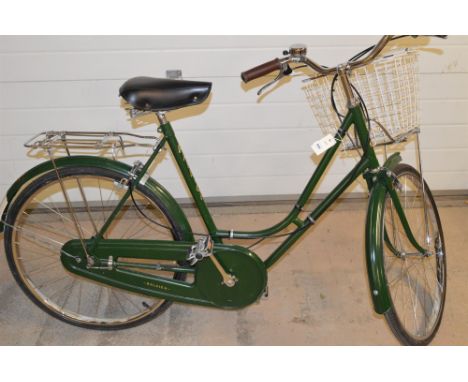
416 282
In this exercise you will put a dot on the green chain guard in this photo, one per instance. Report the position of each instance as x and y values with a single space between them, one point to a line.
206 289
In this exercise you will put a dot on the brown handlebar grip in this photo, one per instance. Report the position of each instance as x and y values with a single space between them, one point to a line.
261 70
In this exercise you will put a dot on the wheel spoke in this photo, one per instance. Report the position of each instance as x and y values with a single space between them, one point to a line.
400 276
41 228
46 284
42 268
63 217
416 288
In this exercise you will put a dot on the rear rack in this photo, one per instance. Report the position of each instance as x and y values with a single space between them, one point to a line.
89 140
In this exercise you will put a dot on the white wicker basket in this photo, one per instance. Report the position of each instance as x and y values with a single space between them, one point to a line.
389 87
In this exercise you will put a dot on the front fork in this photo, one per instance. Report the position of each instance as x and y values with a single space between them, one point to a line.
386 177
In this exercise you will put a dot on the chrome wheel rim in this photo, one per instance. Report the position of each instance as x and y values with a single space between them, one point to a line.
44 224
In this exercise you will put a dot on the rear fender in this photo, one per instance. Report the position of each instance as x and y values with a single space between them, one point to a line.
99 162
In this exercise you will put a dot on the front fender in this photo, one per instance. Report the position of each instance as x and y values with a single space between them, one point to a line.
90 161
392 161
374 249
375 236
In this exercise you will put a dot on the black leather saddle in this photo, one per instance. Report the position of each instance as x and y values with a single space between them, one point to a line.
160 94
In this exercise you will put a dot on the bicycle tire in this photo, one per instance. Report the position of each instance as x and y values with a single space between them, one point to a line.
413 332
42 183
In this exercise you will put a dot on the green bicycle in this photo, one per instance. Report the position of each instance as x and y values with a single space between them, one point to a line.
100 244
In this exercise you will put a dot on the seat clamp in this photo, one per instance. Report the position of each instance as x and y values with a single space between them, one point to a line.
161 117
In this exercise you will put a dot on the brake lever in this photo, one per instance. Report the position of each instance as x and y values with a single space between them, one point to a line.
285 71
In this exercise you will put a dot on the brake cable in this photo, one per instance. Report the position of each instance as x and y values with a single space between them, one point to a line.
332 95
341 116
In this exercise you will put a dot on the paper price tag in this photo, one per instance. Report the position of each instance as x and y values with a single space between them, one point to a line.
323 144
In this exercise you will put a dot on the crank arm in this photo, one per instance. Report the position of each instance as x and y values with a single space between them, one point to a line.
205 249
228 279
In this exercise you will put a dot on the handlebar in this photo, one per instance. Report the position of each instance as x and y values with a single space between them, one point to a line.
279 64
261 70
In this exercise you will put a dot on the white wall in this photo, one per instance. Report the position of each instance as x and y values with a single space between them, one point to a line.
234 144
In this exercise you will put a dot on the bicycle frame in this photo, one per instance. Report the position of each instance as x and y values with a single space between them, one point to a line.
379 180
368 162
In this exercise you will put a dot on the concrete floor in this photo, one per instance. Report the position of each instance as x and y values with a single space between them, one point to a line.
318 296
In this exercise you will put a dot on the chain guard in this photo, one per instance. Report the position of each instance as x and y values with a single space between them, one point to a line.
207 288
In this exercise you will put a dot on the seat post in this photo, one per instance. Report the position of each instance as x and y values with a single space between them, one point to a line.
161 117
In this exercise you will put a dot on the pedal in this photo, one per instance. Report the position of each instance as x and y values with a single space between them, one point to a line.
199 251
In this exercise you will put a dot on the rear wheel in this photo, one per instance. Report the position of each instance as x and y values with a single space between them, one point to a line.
40 221
416 282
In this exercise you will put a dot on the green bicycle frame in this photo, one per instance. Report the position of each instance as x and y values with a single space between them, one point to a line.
379 180
368 162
